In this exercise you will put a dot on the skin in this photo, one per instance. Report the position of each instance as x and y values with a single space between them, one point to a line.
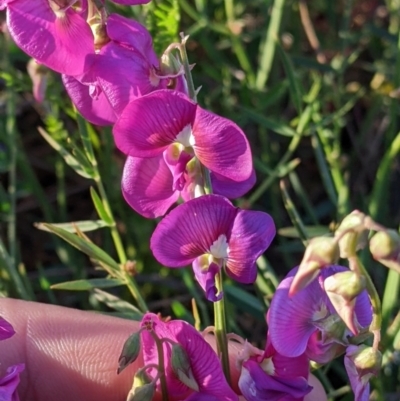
73 355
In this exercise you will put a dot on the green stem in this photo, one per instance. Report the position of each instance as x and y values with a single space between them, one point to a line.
161 365
187 68
129 280
12 140
268 49
220 329
376 324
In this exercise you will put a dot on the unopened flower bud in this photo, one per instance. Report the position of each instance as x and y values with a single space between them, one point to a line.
181 366
320 252
169 64
347 284
39 76
367 360
130 352
353 232
342 290
385 248
143 388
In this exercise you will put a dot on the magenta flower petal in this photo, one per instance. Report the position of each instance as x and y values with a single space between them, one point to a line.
6 330
205 365
59 42
148 125
222 146
257 385
251 234
207 280
147 186
229 188
123 75
131 34
90 101
189 230
9 383
290 318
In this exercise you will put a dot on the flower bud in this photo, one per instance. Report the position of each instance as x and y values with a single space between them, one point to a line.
39 76
130 352
143 388
352 233
385 248
367 360
342 290
320 252
347 284
181 366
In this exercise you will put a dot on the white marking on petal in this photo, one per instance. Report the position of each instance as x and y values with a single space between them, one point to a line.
185 137
321 313
220 249
268 366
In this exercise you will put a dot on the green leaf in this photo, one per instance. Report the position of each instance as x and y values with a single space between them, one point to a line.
89 284
276 126
117 304
69 159
101 211
83 225
163 23
295 89
311 231
90 249
244 301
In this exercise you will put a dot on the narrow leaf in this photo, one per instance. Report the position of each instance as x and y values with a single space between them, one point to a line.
98 204
84 225
90 284
86 247
69 159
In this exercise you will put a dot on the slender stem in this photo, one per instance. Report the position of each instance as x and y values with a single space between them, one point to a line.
12 140
130 281
376 324
161 365
187 68
220 329
268 49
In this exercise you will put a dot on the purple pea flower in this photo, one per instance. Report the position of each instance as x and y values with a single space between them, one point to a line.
149 187
6 330
269 376
207 381
308 323
167 120
211 233
9 383
122 70
51 31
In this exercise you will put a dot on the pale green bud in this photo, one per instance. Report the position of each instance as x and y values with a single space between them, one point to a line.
347 284
130 352
367 360
143 393
353 233
181 366
320 252
385 245
342 290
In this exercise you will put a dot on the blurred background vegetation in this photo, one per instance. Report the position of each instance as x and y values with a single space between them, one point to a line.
315 85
